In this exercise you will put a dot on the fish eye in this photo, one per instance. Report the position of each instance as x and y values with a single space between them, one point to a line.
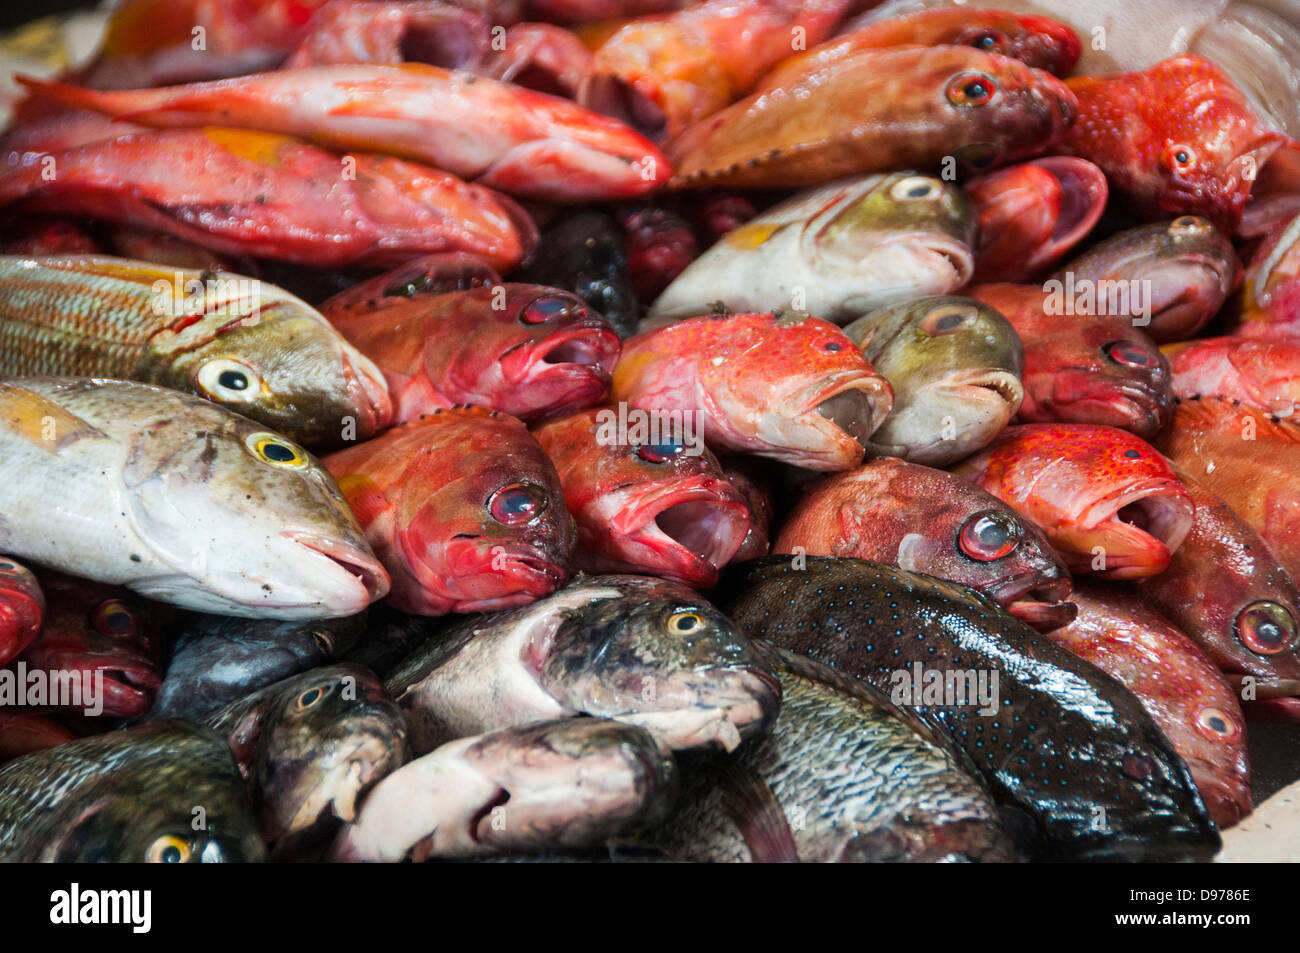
8 567
971 89
230 381
947 318
168 849
1216 725
681 623
1180 158
276 450
832 347
311 696
1188 225
914 188
1265 627
517 503
986 40
112 617
1129 353
660 452
547 308
324 641
988 536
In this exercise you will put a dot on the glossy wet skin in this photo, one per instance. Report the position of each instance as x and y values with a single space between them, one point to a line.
1194 705
1053 710
22 606
767 385
926 520
1109 503
954 365
463 507
1263 372
652 507
1096 369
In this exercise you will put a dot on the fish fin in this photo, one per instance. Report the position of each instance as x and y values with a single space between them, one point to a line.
65 94
1214 413
40 421
751 805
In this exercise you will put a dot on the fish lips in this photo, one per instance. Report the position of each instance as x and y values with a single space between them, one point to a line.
367 572
1037 601
568 370
843 411
1089 395
367 393
490 575
131 680
695 526
1132 551
708 707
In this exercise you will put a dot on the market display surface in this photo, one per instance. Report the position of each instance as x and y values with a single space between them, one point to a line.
726 431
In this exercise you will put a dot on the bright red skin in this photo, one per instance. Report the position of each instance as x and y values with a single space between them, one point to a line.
1256 477
758 380
1067 479
442 350
22 606
1177 685
266 196
1131 124
426 275
1035 41
1068 378
421 492
741 474
615 494
868 512
1222 567
377 32
1032 214
660 245
75 637
1270 303
1262 373
22 733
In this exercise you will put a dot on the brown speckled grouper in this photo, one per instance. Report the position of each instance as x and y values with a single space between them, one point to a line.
1077 767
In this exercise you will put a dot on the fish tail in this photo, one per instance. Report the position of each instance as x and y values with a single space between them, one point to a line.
145 106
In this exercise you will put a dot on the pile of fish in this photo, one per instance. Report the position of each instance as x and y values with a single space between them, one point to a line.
741 430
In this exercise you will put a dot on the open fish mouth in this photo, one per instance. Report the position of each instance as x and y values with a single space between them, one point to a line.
570 368
613 97
718 708
339 788
856 407
983 384
697 528
364 567
1040 603
1132 405
129 685
1145 523
949 257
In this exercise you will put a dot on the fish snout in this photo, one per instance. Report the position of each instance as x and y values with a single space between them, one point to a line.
855 409
367 393
368 573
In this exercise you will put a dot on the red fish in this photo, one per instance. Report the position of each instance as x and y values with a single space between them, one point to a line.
660 74
588 11
1186 696
1248 458
792 388
904 107
714 212
427 275
380 31
1032 214
22 606
542 57
527 350
91 627
22 733
498 134
925 520
464 509
660 244
1179 137
1036 41
1227 591
742 474
1108 502
1259 372
1096 369
1270 301
653 505
251 193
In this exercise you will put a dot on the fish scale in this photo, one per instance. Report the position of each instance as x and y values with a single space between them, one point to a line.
1056 713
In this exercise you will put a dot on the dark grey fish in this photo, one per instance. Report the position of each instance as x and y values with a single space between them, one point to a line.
837 779
390 636
643 651
1078 768
165 792
583 252
310 747
218 659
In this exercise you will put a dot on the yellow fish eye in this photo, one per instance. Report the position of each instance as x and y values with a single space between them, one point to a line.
276 450
168 849
682 623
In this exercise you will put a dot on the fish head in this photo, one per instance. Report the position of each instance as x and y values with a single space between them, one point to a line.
657 502
95 628
331 735
290 371
797 385
528 350
246 519
1036 41
660 657
1107 500
22 606
1271 292
911 223
947 358
569 782
493 534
